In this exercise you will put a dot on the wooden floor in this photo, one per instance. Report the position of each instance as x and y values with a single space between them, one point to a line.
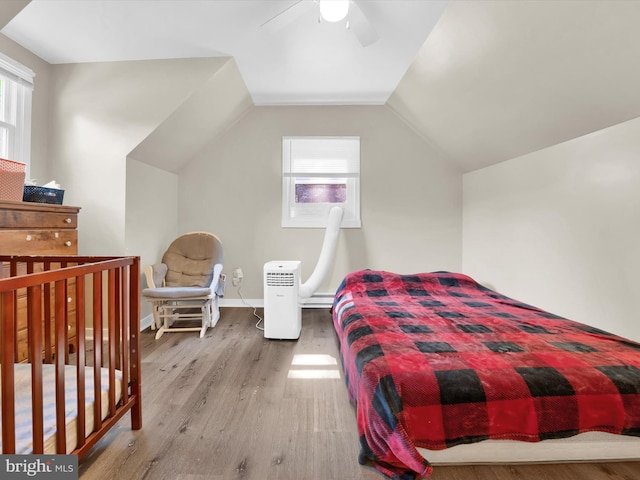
236 406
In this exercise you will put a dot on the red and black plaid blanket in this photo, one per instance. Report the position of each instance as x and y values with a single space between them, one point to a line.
435 360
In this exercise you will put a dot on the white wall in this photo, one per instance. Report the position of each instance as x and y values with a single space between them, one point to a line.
151 219
560 228
152 211
99 113
410 197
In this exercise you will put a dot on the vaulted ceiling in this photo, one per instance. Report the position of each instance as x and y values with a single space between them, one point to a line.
483 81
283 53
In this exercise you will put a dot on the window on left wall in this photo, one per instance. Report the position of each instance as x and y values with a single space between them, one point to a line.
16 87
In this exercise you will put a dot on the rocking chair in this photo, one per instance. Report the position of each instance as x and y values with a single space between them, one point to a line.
187 284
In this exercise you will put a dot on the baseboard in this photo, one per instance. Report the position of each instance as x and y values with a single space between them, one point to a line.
146 322
313 302
316 301
239 303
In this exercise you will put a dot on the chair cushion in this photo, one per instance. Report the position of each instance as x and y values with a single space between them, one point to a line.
176 292
190 260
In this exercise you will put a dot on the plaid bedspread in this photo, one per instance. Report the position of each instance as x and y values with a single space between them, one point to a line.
435 360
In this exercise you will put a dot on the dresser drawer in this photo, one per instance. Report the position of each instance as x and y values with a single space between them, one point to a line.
14 219
39 242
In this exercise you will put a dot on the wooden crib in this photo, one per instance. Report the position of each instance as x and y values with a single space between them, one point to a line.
69 350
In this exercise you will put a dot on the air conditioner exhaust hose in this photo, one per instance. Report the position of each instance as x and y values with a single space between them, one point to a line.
327 254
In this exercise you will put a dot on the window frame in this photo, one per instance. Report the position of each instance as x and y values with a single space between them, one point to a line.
15 117
315 214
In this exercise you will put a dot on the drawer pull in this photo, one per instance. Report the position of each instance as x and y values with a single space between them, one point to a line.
68 243
28 238
67 220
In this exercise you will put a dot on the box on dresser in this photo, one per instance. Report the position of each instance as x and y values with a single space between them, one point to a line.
39 229
12 175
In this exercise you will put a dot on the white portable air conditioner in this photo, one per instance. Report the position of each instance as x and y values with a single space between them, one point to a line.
282 315
283 289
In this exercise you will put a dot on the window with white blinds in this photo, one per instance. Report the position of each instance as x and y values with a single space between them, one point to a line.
317 174
16 86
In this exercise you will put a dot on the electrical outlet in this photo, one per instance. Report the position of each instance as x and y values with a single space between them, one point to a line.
237 277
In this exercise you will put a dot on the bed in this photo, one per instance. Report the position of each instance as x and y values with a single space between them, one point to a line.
79 377
436 362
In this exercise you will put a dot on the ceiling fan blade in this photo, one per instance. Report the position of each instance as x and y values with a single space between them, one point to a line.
361 26
287 16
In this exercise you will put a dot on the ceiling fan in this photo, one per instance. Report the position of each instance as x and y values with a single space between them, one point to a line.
328 11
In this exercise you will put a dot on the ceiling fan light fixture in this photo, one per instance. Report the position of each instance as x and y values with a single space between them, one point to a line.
334 10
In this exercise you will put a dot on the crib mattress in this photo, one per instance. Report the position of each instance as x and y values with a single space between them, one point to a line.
23 409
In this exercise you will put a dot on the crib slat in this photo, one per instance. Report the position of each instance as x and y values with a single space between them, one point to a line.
97 350
125 336
48 348
8 354
30 264
66 317
14 272
118 312
111 309
136 384
61 333
34 322
81 359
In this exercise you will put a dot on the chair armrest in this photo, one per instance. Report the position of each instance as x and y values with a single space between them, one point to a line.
218 281
155 274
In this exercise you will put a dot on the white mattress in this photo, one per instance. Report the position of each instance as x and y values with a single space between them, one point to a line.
586 447
23 415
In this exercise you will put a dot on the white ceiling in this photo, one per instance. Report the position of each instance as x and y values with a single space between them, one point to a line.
302 62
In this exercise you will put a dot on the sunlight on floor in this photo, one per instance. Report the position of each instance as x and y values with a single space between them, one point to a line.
314 360
313 374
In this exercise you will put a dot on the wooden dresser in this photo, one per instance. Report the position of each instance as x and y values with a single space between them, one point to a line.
39 229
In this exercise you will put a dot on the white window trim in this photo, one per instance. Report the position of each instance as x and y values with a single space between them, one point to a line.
316 215
22 83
